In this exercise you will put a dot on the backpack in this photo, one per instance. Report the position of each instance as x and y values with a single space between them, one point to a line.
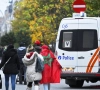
39 65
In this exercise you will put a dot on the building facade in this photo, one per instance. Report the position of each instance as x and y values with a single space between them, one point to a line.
5 22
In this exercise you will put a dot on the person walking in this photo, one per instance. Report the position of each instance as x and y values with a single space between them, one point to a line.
52 69
11 65
30 60
37 43
21 52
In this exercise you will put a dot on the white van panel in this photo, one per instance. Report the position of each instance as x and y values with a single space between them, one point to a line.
66 58
83 63
69 59
67 24
88 24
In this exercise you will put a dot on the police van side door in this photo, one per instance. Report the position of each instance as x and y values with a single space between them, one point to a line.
67 50
87 45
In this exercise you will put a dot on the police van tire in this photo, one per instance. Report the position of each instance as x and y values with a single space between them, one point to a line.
78 84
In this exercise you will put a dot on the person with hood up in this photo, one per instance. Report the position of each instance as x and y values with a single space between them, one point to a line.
30 61
52 68
11 68
21 52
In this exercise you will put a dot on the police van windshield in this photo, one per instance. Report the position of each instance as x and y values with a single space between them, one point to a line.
78 40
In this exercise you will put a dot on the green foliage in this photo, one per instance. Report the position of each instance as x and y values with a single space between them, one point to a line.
93 8
16 38
23 36
8 38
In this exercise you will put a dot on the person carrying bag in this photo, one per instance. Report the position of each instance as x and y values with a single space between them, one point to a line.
11 66
33 72
2 70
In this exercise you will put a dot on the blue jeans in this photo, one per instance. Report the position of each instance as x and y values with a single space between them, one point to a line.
46 86
13 81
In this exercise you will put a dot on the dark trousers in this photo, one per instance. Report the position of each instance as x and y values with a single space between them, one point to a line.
35 82
22 74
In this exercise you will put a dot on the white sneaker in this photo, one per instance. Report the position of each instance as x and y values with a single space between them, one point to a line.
36 87
29 88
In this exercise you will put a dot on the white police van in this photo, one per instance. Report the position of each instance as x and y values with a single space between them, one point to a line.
77 47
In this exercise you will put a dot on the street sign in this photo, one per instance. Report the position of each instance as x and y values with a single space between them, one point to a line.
79 6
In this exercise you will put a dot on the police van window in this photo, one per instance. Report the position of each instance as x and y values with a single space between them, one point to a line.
67 39
78 40
88 39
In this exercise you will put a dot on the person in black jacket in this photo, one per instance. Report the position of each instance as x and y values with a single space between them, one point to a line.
22 73
11 68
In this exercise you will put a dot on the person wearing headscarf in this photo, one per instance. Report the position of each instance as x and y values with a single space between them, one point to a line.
30 62
52 68
12 66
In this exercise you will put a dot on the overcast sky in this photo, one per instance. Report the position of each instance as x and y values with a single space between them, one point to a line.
3 5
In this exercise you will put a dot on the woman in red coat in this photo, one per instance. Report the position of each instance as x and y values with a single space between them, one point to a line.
52 69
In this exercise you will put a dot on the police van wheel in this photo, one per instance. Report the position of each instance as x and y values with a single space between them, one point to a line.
78 84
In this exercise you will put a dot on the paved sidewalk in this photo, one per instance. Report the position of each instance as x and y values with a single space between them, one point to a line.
18 86
23 87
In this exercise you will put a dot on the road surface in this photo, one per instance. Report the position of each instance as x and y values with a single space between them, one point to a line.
60 86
